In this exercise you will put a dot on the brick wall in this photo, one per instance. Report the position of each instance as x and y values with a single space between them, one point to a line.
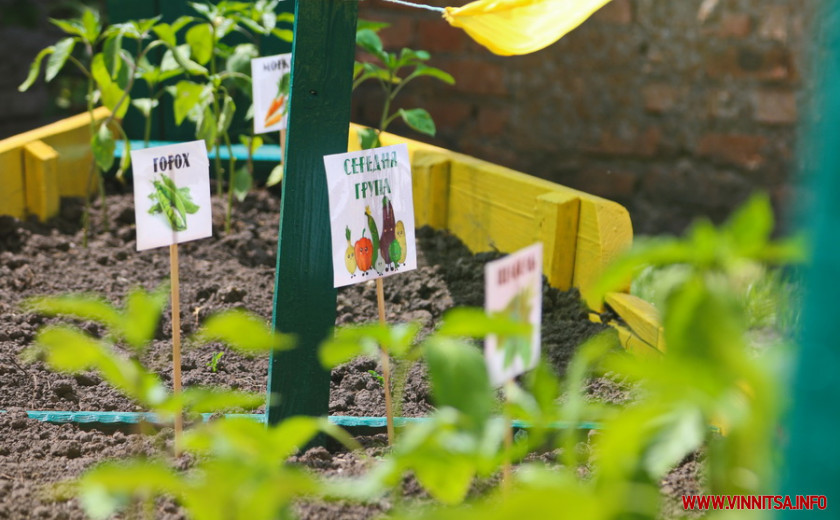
643 104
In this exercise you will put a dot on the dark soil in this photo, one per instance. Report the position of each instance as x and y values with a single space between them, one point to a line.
234 270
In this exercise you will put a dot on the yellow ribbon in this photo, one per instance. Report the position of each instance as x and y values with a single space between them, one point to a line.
511 27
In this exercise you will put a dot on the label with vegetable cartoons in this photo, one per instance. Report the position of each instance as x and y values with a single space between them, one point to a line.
270 83
371 214
513 288
171 194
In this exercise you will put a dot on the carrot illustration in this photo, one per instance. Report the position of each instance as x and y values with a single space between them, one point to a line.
274 114
277 109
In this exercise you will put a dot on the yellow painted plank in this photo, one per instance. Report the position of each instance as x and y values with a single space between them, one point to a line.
493 207
635 344
640 316
557 215
430 184
71 139
41 180
12 195
605 231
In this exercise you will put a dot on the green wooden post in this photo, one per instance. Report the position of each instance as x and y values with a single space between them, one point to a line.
812 454
319 118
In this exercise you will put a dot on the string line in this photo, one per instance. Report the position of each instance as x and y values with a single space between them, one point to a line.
418 6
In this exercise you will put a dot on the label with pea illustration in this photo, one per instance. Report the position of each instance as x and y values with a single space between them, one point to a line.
171 194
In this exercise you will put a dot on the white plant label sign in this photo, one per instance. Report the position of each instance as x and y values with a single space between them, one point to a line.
270 80
371 214
171 194
513 286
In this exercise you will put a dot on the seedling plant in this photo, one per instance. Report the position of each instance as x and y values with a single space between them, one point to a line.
391 75
110 70
220 70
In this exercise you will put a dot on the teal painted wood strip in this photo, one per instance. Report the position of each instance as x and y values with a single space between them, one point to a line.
319 118
62 417
266 152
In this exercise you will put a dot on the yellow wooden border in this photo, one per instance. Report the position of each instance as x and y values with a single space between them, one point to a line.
13 194
492 207
70 138
640 316
41 177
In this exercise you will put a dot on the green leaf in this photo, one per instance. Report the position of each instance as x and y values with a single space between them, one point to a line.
103 146
112 94
212 400
475 323
145 105
90 24
285 17
79 306
166 33
125 160
226 116
108 488
240 58
34 68
206 127
242 183
683 432
61 52
200 39
446 476
275 177
251 143
338 350
111 49
73 26
371 25
187 96
423 70
65 349
459 378
368 138
284 34
370 42
419 119
178 58
750 226
142 315
243 331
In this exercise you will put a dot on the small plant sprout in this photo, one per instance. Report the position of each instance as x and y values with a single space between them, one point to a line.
213 364
377 377
390 75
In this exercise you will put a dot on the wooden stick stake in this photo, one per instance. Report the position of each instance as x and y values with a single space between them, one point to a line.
283 146
386 365
506 467
176 339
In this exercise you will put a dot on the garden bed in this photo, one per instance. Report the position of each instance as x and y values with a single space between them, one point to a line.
222 272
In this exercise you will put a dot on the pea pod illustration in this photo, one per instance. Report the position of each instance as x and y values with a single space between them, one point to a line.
175 203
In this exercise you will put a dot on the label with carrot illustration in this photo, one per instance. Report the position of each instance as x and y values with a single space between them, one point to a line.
513 290
270 87
371 214
171 194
